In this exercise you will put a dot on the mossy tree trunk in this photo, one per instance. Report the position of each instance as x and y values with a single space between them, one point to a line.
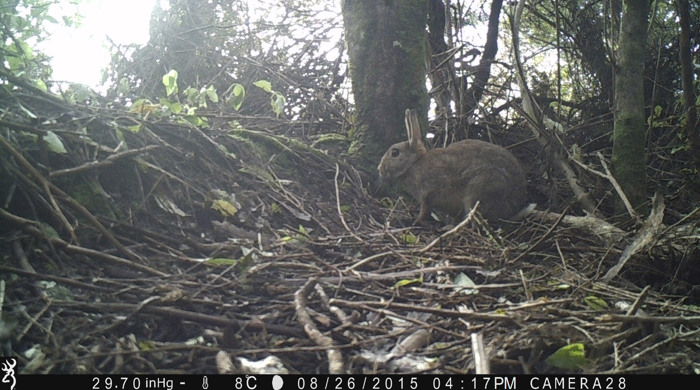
628 155
386 49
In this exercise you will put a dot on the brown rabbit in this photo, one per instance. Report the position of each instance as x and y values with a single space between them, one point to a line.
452 179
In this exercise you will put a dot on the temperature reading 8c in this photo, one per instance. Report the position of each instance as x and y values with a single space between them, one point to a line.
249 383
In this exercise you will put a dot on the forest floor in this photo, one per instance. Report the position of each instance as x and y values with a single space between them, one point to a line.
153 246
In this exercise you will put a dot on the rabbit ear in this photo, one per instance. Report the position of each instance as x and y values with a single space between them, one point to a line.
413 131
409 133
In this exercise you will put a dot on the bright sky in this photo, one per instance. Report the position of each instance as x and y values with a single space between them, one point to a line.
79 55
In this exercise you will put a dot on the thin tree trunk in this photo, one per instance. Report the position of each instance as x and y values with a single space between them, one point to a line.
629 151
471 97
692 127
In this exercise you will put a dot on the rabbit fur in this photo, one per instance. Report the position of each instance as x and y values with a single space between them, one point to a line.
452 179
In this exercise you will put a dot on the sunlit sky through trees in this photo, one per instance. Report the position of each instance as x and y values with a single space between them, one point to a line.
81 53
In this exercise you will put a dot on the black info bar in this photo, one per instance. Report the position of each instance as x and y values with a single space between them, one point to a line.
346 382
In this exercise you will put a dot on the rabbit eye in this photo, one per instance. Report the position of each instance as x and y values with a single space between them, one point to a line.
394 153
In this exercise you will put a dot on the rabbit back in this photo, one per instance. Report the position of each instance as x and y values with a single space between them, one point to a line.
452 179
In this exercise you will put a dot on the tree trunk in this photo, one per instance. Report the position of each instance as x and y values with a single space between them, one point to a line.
692 127
471 97
386 50
628 155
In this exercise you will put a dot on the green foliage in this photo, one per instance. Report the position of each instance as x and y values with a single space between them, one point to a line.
90 194
171 106
225 203
409 238
570 357
407 282
56 291
170 82
596 303
229 46
198 99
240 265
277 100
54 143
264 85
235 95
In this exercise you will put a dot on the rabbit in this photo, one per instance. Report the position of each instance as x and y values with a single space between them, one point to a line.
452 179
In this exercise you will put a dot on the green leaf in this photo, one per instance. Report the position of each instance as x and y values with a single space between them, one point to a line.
247 261
211 94
170 82
48 230
596 303
679 148
264 84
118 133
406 282
146 345
196 120
240 265
409 238
124 86
277 101
174 107
224 207
41 85
275 208
56 291
220 261
54 143
237 96
144 107
569 357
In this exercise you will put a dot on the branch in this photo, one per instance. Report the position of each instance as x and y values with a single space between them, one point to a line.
543 127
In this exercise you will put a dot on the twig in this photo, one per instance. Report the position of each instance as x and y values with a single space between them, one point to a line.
335 358
649 319
50 188
451 231
337 205
638 303
171 312
481 360
631 360
608 175
45 185
107 161
544 236
423 309
646 234
526 288
32 228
